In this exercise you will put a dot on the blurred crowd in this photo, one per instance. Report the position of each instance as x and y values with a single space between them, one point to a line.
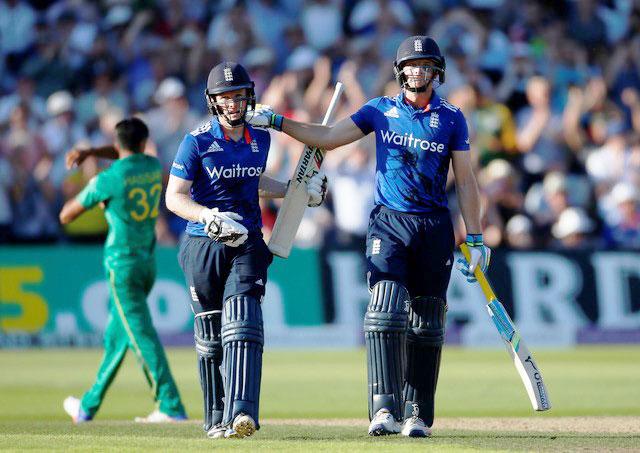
550 90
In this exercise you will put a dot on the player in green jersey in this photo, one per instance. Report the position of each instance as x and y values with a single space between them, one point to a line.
130 191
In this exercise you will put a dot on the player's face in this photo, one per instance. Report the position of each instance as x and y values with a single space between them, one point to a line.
233 103
419 72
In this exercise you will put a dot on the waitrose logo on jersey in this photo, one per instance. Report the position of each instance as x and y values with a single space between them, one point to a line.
234 171
394 138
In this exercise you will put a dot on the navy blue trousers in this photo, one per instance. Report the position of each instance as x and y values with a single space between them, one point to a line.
215 272
415 250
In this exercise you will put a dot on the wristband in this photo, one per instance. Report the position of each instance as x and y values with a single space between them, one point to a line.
276 121
474 240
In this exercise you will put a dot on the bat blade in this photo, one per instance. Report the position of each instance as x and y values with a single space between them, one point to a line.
522 359
296 199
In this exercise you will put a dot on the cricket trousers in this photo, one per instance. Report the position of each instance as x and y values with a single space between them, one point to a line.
130 327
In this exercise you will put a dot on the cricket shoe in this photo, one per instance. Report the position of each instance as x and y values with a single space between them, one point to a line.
243 426
73 407
217 431
415 427
383 423
160 417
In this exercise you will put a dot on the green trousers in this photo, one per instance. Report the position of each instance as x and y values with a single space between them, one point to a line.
130 327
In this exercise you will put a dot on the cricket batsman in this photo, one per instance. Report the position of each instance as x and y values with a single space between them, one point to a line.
130 191
216 179
410 239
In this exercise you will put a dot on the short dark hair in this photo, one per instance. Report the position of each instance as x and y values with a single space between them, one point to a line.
131 133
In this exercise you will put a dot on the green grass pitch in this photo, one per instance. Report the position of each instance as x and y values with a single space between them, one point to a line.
316 401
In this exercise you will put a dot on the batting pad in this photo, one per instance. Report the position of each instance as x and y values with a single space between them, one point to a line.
209 348
385 325
425 338
242 341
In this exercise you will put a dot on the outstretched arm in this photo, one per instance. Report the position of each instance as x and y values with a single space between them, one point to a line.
315 135
325 137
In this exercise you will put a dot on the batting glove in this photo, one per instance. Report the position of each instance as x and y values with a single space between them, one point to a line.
480 255
223 227
264 117
317 190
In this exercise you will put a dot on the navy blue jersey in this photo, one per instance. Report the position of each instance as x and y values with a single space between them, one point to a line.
225 173
413 150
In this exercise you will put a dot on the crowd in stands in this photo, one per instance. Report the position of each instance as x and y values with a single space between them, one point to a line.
550 90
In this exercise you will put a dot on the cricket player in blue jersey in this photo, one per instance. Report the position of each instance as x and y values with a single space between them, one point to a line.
216 179
410 240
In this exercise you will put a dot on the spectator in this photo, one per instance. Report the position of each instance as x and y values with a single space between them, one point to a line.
6 214
544 95
171 120
622 228
519 233
352 189
539 134
62 131
572 230
24 94
495 131
17 32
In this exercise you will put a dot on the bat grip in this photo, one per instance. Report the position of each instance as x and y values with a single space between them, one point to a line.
482 279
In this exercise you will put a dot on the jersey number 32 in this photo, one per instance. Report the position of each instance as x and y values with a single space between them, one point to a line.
146 203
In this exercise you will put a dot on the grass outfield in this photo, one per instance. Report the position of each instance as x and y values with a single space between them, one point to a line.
481 404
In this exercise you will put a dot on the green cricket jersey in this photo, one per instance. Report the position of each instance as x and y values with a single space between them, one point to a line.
130 190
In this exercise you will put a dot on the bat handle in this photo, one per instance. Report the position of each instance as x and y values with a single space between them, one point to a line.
332 104
482 279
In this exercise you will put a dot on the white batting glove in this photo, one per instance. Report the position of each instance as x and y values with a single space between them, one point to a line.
317 189
223 227
264 117
480 255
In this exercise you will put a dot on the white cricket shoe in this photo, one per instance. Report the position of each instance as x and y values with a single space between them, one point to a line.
217 431
383 424
73 407
160 417
243 426
415 427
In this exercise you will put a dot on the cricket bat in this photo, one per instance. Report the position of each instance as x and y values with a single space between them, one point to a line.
296 199
520 354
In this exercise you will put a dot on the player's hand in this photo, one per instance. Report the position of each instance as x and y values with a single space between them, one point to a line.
264 117
480 255
75 157
317 189
223 227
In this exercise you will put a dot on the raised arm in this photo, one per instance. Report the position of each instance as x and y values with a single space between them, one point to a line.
76 156
325 137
